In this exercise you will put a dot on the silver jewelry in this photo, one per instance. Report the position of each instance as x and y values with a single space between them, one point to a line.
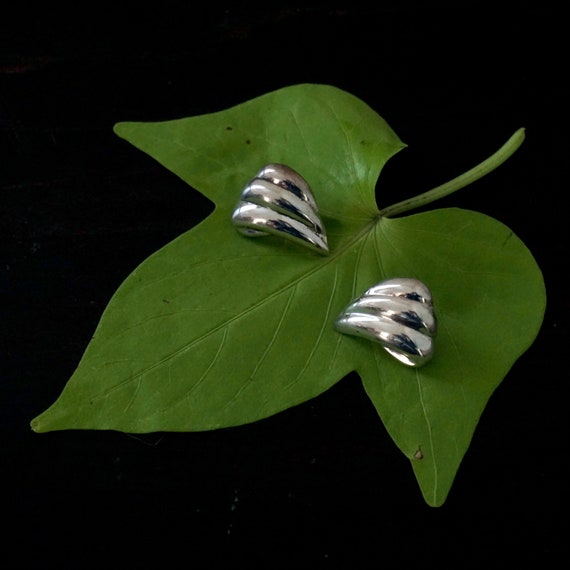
279 201
398 314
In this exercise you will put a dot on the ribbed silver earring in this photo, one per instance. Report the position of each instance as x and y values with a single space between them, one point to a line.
278 201
398 314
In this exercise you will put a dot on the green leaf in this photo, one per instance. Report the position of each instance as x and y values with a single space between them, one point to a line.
217 329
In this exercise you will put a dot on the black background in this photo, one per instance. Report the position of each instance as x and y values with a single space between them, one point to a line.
321 485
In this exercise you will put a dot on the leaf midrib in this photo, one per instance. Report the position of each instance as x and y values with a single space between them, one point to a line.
430 435
362 234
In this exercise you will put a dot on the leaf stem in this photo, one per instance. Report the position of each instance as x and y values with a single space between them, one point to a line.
462 180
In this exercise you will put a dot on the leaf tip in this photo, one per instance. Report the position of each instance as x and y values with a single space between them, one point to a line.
36 425
119 128
48 421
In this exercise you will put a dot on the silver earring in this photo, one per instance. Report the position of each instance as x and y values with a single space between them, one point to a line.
398 314
279 201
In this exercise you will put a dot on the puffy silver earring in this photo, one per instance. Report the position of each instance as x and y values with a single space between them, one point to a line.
279 201
398 314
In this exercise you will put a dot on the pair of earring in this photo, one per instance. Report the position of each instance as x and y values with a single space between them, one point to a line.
397 313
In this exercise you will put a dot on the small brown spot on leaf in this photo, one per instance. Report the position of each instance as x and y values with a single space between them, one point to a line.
247 141
229 128
418 454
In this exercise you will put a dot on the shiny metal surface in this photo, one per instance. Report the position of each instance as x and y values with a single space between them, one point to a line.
278 201
398 314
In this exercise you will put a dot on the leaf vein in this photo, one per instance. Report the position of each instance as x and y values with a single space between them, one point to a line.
430 434
351 153
187 395
207 371
320 335
265 352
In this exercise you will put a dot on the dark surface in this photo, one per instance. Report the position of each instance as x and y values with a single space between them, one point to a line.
321 485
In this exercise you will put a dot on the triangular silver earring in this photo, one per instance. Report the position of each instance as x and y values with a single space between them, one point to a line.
398 314
279 201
